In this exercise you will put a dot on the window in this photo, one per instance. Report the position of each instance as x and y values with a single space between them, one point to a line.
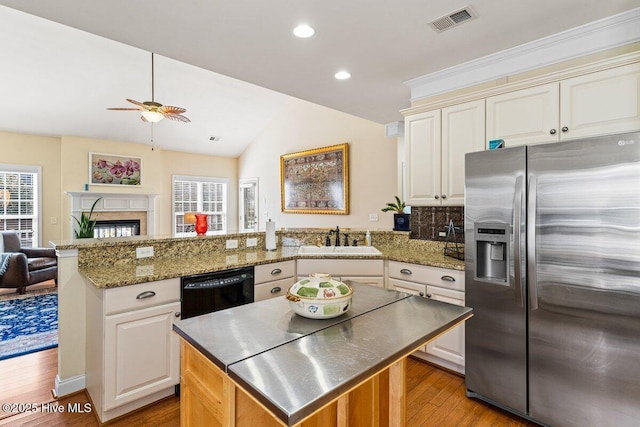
248 205
20 202
199 194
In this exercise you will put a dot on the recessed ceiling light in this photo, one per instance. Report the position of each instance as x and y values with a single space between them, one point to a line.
303 31
342 75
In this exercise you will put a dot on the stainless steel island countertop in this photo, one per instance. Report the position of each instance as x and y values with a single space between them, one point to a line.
232 335
294 366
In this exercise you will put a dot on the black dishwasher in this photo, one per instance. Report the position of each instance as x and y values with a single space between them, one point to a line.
204 293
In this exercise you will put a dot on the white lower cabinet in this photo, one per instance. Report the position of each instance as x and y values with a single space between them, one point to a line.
441 285
273 280
448 349
133 355
368 271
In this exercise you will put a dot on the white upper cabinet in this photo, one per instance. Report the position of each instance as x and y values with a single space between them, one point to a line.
599 103
422 158
527 116
462 133
436 143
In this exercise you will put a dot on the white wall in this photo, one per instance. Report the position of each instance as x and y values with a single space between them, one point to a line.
302 126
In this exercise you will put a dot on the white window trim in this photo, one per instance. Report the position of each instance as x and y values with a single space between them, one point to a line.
209 179
244 182
38 202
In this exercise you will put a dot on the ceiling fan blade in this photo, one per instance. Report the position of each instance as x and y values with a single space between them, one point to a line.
169 109
124 109
139 104
143 119
177 117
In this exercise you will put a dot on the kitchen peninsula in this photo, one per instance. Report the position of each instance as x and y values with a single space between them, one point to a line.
283 369
93 272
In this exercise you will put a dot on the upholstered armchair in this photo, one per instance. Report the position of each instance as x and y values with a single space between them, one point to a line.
27 266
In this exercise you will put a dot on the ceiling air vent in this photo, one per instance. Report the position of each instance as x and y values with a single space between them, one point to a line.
453 19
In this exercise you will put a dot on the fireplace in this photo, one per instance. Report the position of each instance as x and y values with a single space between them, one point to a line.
118 214
117 228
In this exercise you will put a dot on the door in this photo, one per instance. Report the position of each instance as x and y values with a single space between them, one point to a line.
448 346
527 116
142 354
495 337
584 282
422 151
601 103
463 129
248 205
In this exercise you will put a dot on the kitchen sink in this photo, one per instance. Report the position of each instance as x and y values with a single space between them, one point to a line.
341 251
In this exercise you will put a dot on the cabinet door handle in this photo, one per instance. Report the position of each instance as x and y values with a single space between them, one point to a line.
565 129
276 271
276 290
436 197
552 131
177 314
405 271
421 294
146 294
448 278
428 295
444 196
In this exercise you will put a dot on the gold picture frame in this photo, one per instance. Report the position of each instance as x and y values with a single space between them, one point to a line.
316 181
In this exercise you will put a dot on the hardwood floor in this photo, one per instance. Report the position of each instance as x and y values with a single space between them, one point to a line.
435 398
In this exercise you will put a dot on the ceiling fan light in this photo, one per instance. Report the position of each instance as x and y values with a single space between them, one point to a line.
152 116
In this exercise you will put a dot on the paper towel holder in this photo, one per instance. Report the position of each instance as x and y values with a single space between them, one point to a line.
270 235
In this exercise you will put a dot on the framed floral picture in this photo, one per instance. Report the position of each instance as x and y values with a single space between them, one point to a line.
316 181
113 169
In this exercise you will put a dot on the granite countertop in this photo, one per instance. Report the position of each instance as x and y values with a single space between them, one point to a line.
152 269
332 356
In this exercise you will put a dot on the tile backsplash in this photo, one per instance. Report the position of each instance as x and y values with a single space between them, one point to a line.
428 221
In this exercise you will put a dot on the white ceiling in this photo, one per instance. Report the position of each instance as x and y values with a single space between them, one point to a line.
58 80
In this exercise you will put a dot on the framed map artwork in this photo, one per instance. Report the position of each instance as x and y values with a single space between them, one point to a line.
316 181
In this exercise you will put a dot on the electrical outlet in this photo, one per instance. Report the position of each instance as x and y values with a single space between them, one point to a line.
144 252
232 244
442 234
373 217
251 242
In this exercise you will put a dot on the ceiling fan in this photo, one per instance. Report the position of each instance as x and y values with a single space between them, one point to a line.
153 112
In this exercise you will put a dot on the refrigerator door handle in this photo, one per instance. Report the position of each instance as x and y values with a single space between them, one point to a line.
531 243
517 240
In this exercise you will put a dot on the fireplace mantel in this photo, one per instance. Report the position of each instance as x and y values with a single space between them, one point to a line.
81 201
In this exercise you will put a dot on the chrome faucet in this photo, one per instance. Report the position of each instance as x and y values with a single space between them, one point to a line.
337 233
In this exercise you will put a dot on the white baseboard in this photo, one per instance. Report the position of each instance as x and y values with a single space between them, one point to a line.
70 385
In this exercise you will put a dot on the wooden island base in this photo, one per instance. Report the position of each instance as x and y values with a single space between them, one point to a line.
210 398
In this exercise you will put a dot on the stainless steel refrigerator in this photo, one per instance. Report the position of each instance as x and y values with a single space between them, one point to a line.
552 266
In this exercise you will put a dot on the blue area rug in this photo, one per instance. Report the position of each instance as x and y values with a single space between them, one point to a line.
28 325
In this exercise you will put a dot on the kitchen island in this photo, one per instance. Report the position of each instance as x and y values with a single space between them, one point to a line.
263 365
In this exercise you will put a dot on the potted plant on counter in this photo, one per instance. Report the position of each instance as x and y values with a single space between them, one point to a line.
401 220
